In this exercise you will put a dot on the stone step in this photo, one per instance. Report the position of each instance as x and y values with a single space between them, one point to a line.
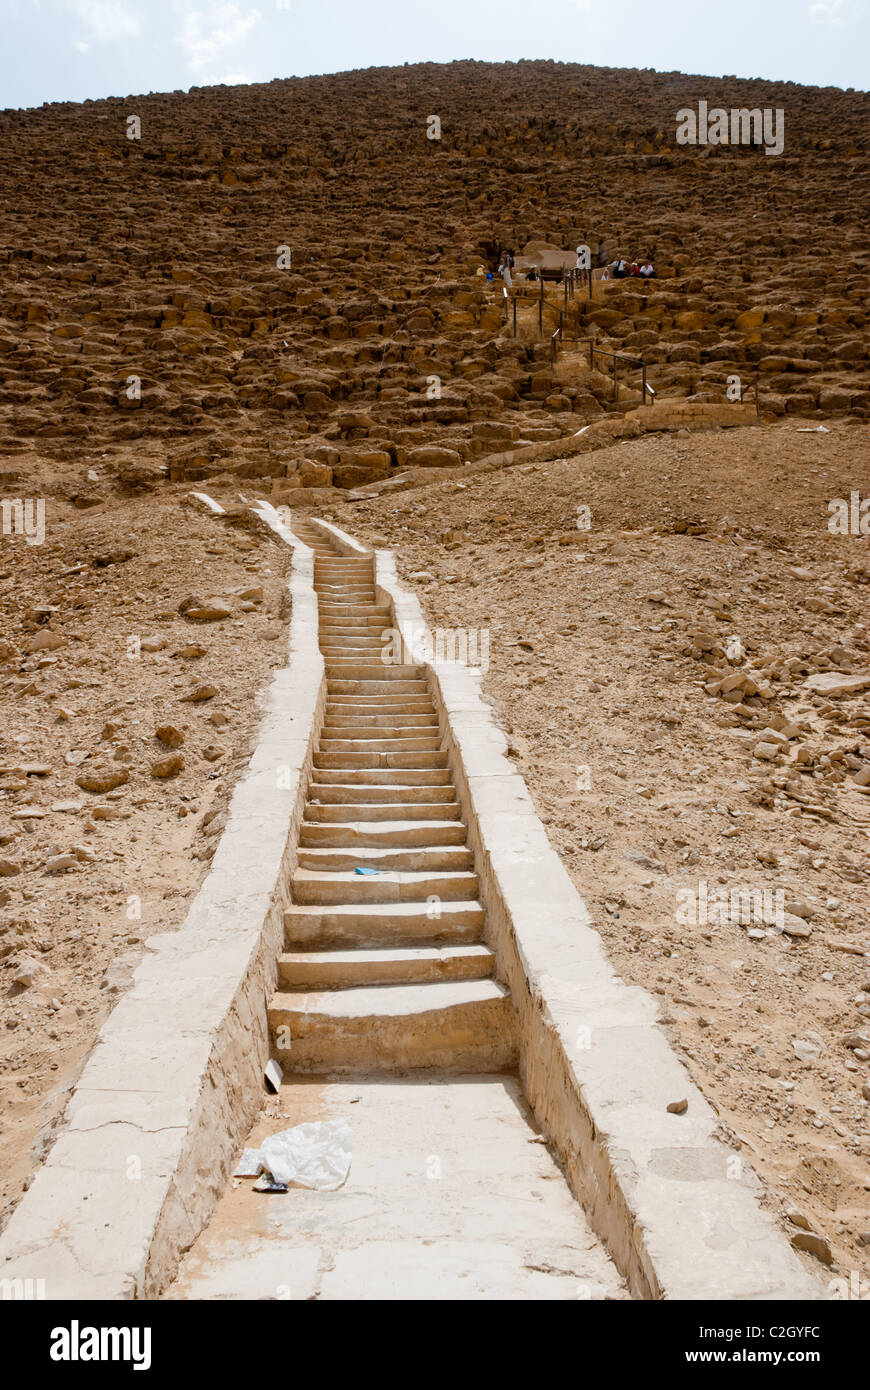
372 652
376 924
392 886
320 970
347 591
369 628
367 734
384 776
349 717
342 686
329 609
372 671
342 720
326 565
327 576
342 713
348 595
403 738
405 833
353 655
324 794
377 704
374 716
368 614
345 565
397 854
460 1024
372 699
422 758
352 623
367 631
380 745
345 813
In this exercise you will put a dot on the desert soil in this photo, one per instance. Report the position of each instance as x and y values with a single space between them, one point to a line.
87 875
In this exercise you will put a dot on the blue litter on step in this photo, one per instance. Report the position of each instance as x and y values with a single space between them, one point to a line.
361 869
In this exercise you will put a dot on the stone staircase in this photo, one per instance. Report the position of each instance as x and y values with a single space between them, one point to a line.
385 964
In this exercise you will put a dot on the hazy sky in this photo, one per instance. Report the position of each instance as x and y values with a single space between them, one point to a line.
66 50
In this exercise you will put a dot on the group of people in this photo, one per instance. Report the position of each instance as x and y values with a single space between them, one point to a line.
621 269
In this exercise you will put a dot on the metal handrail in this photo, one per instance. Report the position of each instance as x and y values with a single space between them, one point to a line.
576 276
560 334
620 357
519 297
571 277
648 394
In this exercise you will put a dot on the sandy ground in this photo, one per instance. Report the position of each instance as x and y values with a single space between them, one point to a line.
86 875
651 788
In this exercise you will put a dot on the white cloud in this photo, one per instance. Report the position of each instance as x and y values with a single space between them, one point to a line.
80 46
205 34
835 13
226 79
106 21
